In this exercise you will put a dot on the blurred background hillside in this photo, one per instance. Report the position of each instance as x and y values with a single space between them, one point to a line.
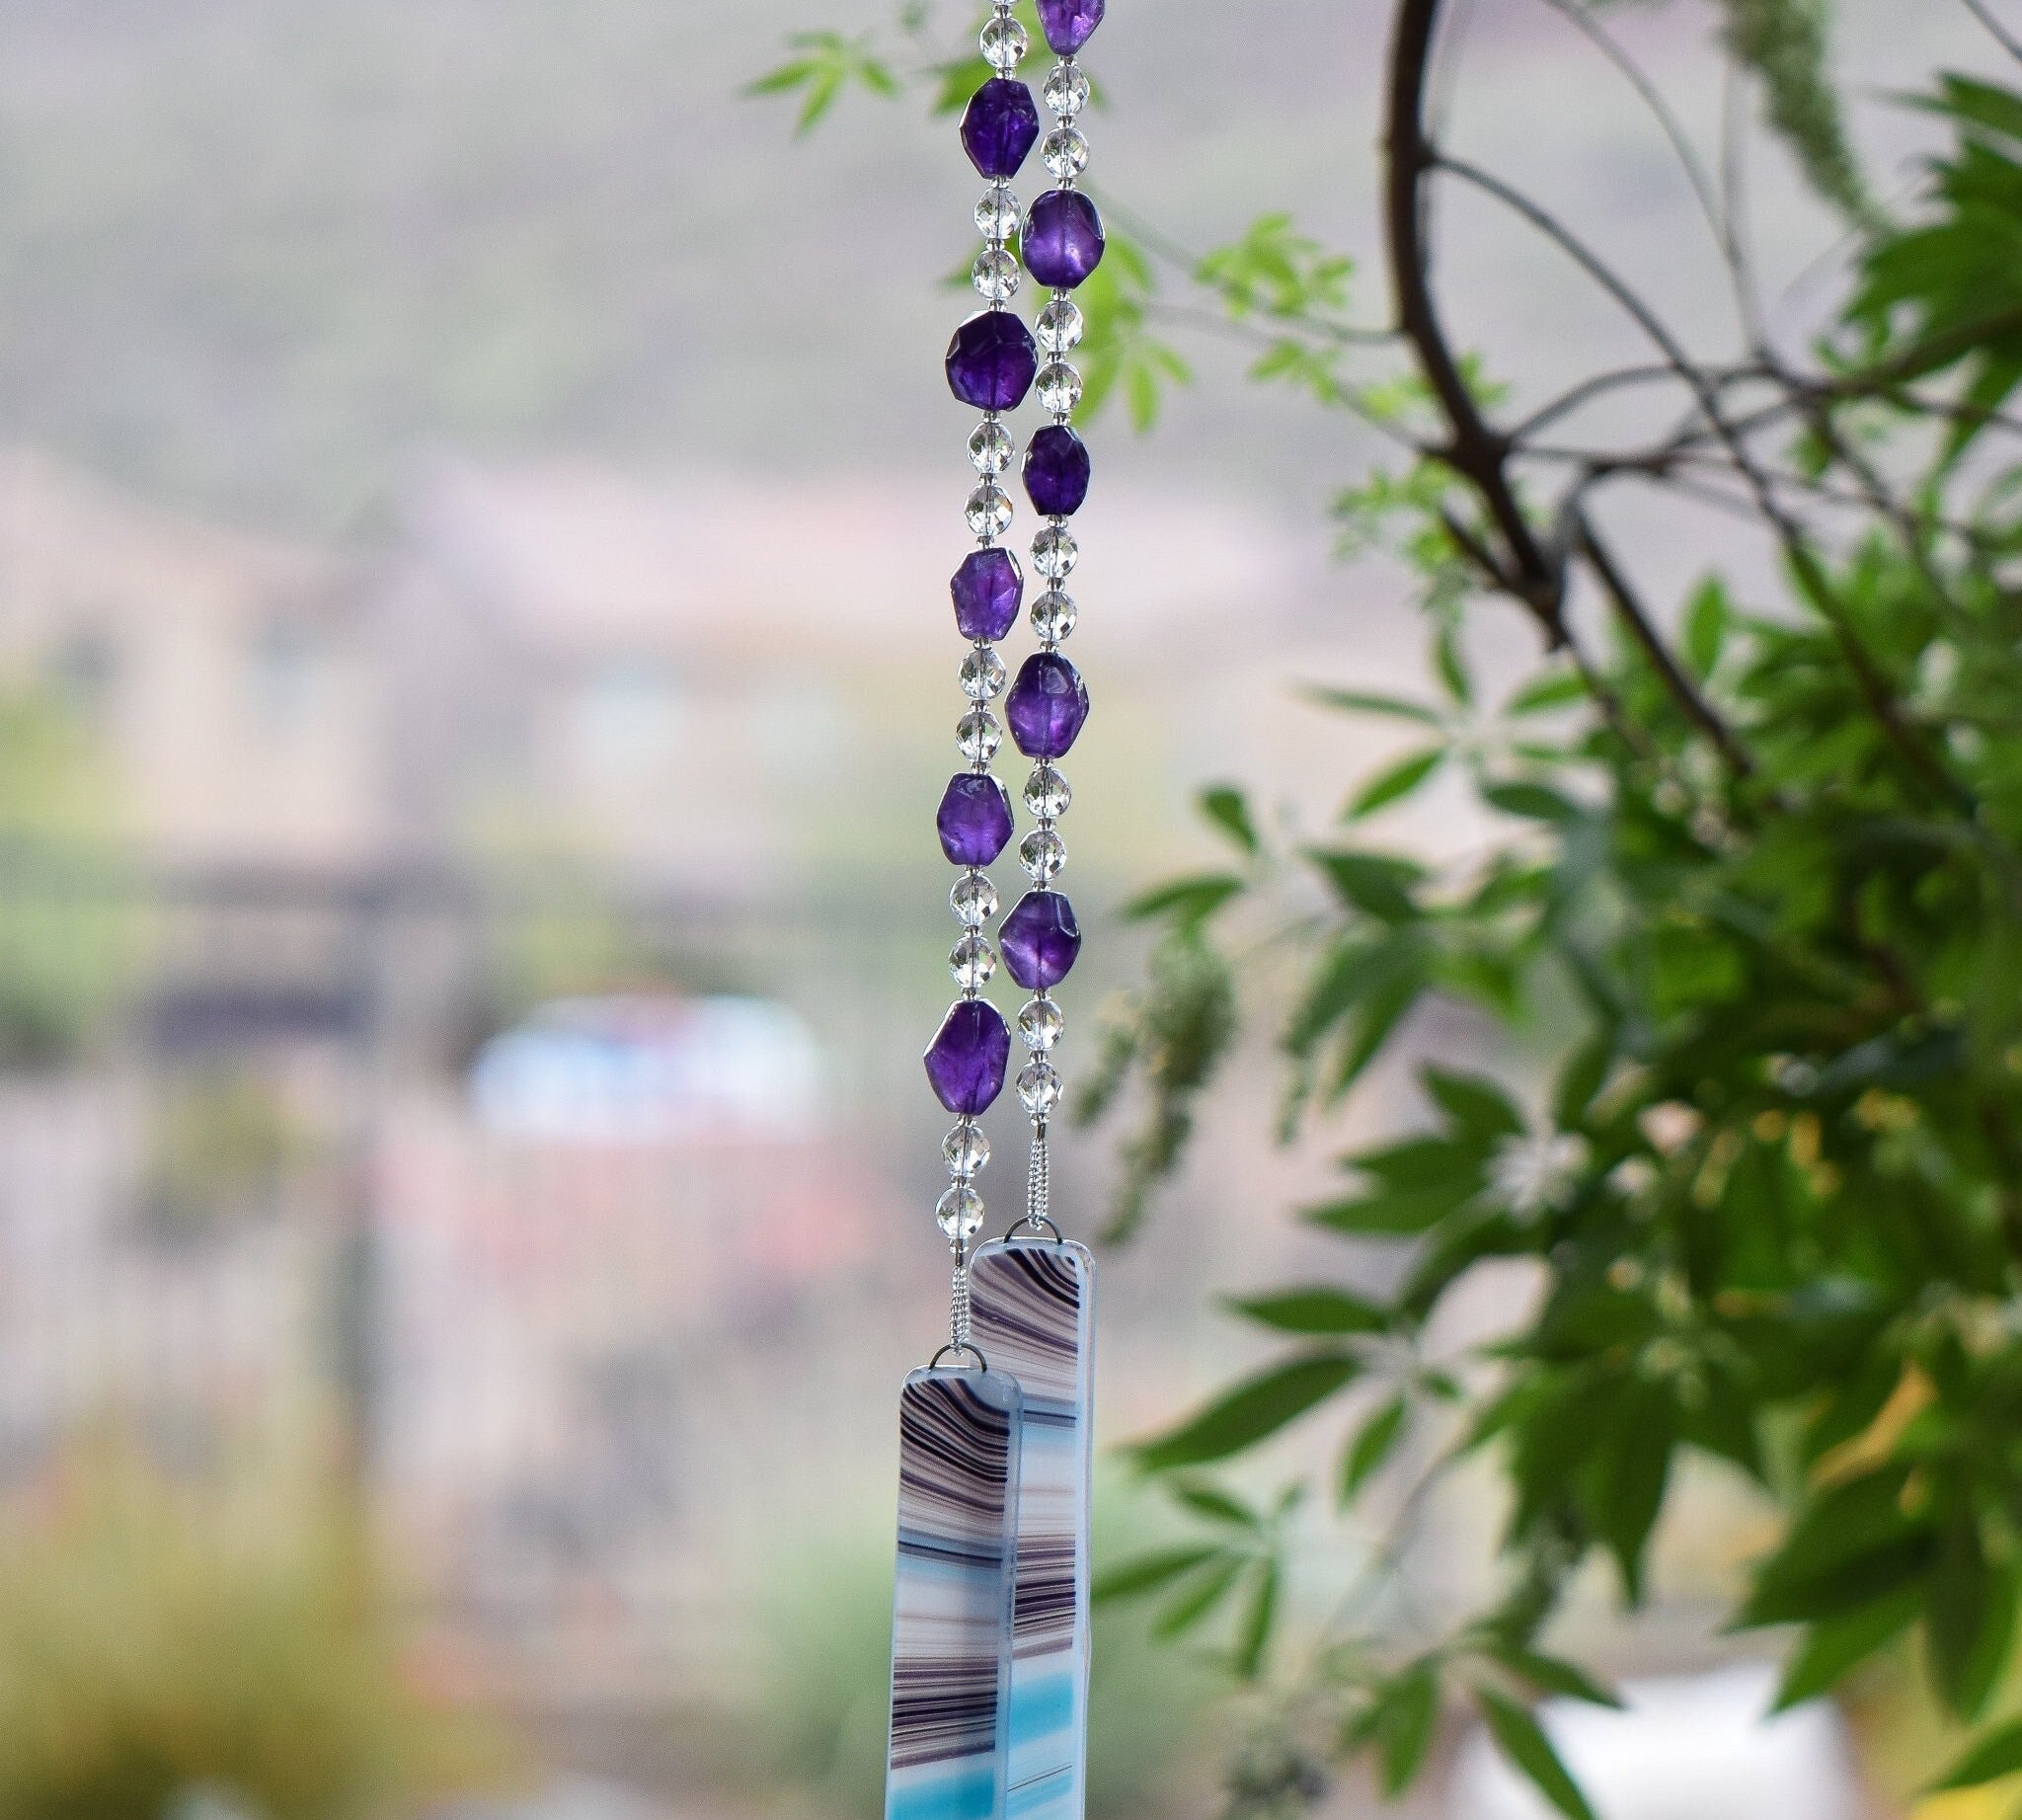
475 506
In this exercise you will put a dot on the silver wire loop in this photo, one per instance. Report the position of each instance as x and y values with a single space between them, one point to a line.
958 1349
1033 1224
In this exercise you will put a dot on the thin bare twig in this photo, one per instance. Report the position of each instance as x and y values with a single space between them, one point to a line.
1999 32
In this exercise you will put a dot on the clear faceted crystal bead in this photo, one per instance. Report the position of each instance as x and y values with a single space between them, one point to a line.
1041 1024
988 510
1059 387
1004 44
1054 616
1047 794
1059 326
983 675
960 1215
990 447
973 962
1043 853
1067 90
966 1151
1065 152
998 214
979 735
1039 1088
975 900
1054 553
994 275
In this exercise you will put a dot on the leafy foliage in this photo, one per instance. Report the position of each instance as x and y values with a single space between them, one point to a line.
1750 871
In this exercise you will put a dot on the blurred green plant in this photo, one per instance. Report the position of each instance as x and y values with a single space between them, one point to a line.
222 1145
71 936
1751 868
161 1646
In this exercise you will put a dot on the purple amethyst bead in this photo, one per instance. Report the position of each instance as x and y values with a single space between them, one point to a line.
1040 940
1069 24
1057 471
967 1058
1064 239
975 820
989 590
991 362
1047 705
1000 127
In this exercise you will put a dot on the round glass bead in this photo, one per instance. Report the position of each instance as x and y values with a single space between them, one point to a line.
983 675
979 736
994 275
1065 152
960 1215
975 900
1054 616
998 214
988 512
1060 326
1059 387
1067 90
1004 44
1041 1024
1039 1088
966 1151
973 962
1054 553
1043 853
1047 794
990 447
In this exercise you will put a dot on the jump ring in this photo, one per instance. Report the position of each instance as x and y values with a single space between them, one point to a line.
958 1349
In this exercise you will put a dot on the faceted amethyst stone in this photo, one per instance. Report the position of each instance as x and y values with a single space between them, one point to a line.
1057 471
1000 127
991 362
1064 239
967 1058
975 820
1047 705
1069 24
989 590
1040 940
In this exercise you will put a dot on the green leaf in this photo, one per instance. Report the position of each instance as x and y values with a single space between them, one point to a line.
1216 1505
1535 802
1260 1618
1194 1603
1475 1104
1451 667
1993 1757
1969 1619
1251 1413
1228 809
1371 1447
1556 689
1358 701
1317 1310
1549 1675
1850 1545
1706 624
1521 1738
1379 884
1146 1573
1832 1650
1187 901
1395 784
1633 1469
829 63
1403 1723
